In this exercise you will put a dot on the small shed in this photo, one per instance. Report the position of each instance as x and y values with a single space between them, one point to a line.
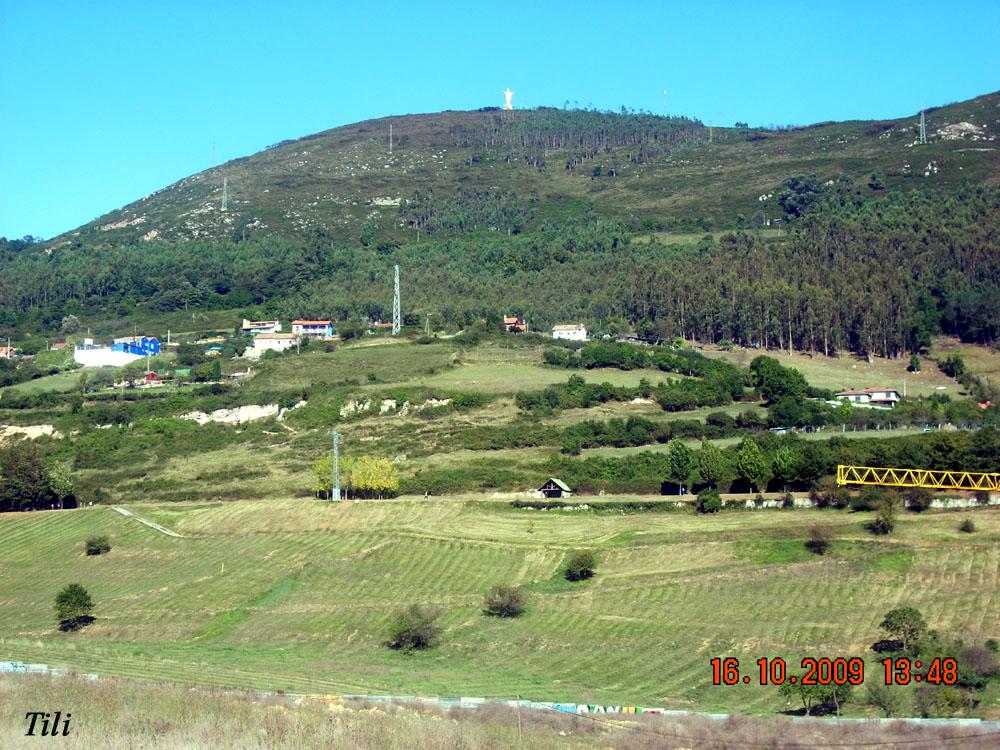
555 488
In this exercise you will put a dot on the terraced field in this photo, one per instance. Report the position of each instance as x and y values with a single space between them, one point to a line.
296 595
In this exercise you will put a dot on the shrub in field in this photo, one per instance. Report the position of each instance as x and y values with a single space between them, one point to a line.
414 628
968 526
74 607
820 539
98 545
918 499
504 601
709 501
580 566
885 513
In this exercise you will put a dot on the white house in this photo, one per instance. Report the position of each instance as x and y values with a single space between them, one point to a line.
872 398
273 342
253 327
90 354
572 332
320 329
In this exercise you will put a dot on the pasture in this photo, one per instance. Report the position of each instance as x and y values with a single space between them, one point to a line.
296 595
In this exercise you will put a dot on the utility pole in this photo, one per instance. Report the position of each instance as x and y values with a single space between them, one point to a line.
923 128
390 139
225 193
335 489
396 321
427 325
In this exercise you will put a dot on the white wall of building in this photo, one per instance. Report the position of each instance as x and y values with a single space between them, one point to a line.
103 356
571 334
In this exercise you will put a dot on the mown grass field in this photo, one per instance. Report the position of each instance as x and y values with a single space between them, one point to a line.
846 371
296 595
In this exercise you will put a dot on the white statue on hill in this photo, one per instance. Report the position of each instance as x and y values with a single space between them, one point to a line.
509 95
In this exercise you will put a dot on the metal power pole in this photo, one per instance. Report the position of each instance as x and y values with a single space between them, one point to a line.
335 489
923 129
396 322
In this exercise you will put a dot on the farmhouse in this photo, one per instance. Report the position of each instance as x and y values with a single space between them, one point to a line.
572 332
871 398
554 488
320 329
514 324
253 327
273 342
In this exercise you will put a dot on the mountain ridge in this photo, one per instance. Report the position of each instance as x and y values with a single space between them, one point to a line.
655 172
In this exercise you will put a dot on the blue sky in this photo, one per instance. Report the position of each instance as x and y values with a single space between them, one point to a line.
104 102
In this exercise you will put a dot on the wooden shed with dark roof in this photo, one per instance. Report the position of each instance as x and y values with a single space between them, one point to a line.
555 488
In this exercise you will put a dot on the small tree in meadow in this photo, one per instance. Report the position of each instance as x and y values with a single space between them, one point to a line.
74 607
820 539
709 501
98 545
414 628
580 566
505 601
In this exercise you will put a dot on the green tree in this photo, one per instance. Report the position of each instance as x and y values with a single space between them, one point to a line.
216 370
414 628
374 476
786 465
711 463
680 462
61 481
24 482
905 624
580 566
886 698
709 501
750 464
774 381
70 324
74 607
914 363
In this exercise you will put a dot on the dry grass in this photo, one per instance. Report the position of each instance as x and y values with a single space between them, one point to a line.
118 714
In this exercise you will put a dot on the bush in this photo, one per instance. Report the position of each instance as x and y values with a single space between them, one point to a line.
885 518
820 538
74 607
918 499
968 526
414 627
580 566
709 501
504 601
98 545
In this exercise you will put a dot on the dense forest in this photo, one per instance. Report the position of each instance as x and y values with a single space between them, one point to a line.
877 277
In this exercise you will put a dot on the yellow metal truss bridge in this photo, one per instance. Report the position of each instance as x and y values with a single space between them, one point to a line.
926 478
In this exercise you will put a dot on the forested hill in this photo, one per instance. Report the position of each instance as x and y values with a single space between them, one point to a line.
511 171
830 237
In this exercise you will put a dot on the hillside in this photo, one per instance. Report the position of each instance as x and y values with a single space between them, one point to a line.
298 596
653 171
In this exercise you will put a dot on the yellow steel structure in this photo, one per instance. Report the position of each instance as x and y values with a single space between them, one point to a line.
931 480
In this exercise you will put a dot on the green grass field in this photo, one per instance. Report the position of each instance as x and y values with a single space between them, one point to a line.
296 595
846 372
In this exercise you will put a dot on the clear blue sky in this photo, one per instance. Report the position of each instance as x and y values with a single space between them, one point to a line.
103 102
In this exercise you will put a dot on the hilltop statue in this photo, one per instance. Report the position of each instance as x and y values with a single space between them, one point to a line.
509 95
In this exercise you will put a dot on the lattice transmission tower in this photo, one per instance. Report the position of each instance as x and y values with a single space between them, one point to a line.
396 319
